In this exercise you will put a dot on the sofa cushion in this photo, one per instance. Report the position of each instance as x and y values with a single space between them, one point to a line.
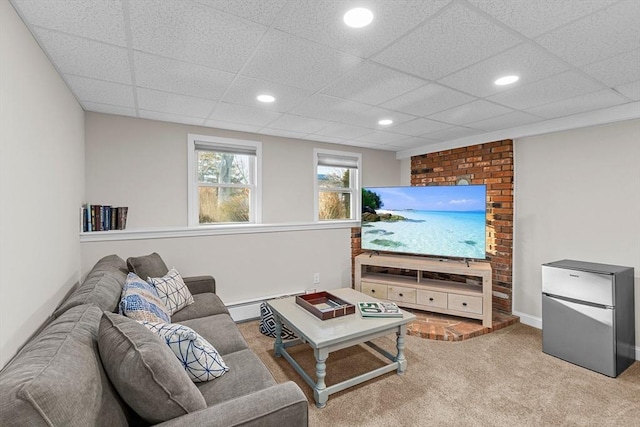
58 379
145 371
140 301
204 305
172 291
219 330
102 286
198 357
145 266
247 374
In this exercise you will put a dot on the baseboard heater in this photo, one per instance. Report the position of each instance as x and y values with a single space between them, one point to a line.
245 311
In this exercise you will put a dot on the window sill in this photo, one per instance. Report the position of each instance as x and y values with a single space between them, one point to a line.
211 230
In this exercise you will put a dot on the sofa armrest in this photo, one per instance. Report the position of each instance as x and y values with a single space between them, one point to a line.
200 284
278 406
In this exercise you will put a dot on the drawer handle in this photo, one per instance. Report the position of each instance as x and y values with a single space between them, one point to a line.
464 304
373 291
430 299
401 295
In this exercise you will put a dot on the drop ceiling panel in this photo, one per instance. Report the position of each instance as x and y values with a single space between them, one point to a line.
419 127
514 119
186 31
604 34
343 131
526 61
329 108
630 90
97 20
243 114
296 62
322 22
472 112
452 40
452 133
372 84
244 91
83 57
533 18
171 118
232 126
370 116
427 100
164 102
381 137
283 133
261 11
108 109
298 124
553 89
579 104
101 92
620 69
154 72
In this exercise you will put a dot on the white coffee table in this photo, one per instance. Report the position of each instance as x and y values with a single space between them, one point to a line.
326 336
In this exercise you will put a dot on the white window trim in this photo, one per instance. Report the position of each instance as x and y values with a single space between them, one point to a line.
192 174
355 192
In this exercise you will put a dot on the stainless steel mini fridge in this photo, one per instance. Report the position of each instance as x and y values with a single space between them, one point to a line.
588 315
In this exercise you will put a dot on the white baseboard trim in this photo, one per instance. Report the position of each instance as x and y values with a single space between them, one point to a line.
536 322
529 320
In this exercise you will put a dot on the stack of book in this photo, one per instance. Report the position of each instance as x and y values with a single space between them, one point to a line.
379 309
103 217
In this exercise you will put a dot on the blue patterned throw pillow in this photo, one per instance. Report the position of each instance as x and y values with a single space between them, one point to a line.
140 301
172 290
199 358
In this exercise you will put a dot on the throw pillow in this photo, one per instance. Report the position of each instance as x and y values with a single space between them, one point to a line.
144 371
199 358
140 301
172 291
150 265
268 324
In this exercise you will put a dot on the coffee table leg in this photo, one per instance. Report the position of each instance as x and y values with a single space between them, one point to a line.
320 390
277 346
402 362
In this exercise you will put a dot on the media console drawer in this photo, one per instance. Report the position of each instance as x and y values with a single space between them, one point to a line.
465 303
374 289
399 293
432 298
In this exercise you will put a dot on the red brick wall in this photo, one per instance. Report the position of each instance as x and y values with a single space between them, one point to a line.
490 164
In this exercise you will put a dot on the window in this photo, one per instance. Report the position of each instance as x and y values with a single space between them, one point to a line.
224 184
337 185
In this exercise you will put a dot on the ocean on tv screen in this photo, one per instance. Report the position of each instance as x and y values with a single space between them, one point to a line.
440 221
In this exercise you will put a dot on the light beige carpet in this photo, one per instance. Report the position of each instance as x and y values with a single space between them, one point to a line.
499 379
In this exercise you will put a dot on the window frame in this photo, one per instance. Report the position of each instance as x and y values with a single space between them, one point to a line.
255 200
354 189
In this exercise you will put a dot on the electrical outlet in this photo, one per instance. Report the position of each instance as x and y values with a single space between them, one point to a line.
316 278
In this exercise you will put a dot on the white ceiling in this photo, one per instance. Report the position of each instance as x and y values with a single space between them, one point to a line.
428 65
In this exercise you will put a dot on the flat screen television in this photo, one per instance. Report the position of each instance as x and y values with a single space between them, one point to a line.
441 221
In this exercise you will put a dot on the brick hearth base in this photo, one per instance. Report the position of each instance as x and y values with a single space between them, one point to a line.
450 328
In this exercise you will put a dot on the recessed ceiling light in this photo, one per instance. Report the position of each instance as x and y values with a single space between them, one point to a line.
358 17
385 122
506 80
265 98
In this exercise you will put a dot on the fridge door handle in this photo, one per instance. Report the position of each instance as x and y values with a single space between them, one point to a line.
577 301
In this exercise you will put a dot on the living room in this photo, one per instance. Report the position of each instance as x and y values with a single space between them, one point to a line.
576 196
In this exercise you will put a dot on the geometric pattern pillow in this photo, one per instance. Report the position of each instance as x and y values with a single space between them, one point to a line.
140 301
199 358
172 291
268 324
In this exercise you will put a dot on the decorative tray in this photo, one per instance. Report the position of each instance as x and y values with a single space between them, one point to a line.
324 305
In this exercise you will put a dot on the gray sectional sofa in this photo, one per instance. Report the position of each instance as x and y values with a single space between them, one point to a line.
70 373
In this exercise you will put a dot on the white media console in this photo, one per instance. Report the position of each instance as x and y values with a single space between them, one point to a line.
441 296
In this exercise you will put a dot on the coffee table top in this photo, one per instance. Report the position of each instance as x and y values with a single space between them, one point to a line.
320 333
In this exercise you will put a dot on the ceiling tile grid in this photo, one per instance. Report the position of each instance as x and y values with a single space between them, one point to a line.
430 66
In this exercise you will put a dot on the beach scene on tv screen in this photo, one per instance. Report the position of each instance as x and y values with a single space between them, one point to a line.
436 220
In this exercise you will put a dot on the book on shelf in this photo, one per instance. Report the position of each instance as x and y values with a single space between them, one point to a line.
379 309
103 217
